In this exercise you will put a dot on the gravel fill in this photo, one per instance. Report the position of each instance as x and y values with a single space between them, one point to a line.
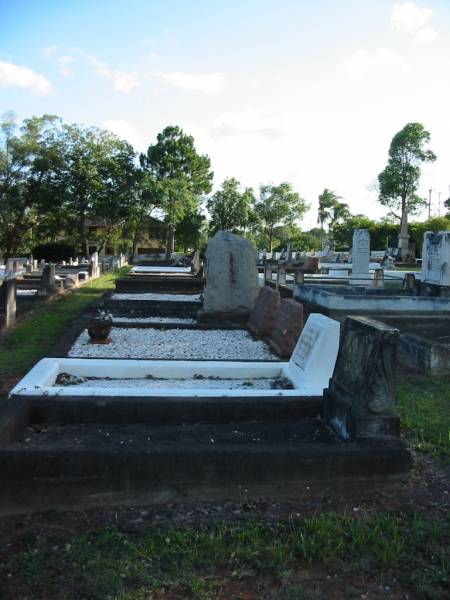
262 383
155 296
185 344
154 320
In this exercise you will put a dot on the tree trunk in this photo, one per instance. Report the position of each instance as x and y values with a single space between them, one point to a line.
403 238
170 243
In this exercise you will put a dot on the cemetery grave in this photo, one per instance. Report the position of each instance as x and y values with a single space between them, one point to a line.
114 430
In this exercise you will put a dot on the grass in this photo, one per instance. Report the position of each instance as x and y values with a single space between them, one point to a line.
195 562
33 337
424 408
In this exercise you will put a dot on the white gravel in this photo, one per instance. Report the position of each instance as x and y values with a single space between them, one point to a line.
154 320
26 292
262 383
155 296
185 344
161 270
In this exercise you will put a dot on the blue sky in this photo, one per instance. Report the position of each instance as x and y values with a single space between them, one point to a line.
310 92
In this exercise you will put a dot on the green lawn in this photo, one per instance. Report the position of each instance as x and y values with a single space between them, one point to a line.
406 550
33 337
424 408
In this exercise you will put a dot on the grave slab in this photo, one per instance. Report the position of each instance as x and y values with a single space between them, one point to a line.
287 328
263 316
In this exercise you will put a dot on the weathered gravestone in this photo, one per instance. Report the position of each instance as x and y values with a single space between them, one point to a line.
436 258
8 301
360 257
360 398
231 275
195 263
48 278
263 316
287 328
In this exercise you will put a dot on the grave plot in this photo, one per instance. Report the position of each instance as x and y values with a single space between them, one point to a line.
65 440
307 372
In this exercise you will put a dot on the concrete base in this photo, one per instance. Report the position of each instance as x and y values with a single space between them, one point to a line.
164 283
219 319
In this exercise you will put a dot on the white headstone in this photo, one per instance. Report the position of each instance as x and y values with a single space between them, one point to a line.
312 362
360 257
436 258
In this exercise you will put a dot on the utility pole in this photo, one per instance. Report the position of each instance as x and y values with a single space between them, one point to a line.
429 202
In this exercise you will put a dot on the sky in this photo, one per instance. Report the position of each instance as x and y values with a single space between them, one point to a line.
287 90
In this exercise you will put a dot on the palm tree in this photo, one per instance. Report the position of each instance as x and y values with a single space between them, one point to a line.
327 203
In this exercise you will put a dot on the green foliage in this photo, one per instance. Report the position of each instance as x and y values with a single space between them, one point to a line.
189 232
278 206
183 174
399 181
230 209
330 209
417 229
302 241
380 232
29 159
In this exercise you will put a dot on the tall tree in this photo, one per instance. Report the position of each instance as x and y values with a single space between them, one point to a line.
278 205
184 174
327 203
399 181
230 208
29 159
96 181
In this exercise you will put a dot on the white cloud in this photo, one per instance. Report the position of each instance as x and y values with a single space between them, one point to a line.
123 81
207 83
12 75
125 131
362 61
50 50
425 36
409 18
64 63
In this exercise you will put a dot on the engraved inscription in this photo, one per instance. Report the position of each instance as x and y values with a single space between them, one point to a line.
304 347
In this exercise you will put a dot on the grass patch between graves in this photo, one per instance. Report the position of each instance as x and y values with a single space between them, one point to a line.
33 337
423 404
198 562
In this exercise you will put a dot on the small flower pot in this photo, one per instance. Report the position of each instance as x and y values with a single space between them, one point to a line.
99 328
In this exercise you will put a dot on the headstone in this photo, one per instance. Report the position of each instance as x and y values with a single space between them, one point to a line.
268 269
195 264
70 281
281 276
360 257
262 318
28 268
409 283
287 328
378 278
314 356
360 399
299 277
231 274
35 264
48 278
8 300
41 263
436 258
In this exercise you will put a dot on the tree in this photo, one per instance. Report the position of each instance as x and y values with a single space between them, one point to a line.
277 206
399 181
183 173
327 204
230 208
96 181
29 159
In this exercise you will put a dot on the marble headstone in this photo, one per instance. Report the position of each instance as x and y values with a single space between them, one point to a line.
436 258
231 274
360 257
